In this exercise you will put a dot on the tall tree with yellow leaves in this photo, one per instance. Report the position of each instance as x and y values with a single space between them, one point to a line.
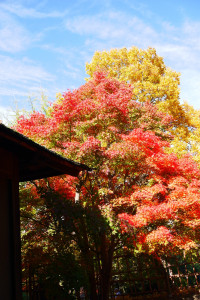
191 142
151 80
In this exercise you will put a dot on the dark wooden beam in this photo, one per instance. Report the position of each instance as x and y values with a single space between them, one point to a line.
36 161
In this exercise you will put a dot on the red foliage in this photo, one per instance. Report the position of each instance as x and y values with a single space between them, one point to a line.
149 191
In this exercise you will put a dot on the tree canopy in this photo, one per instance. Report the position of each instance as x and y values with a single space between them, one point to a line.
137 191
145 70
152 80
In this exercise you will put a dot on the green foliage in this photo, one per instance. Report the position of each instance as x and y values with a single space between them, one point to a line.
48 252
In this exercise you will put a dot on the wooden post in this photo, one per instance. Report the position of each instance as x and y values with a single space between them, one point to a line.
10 250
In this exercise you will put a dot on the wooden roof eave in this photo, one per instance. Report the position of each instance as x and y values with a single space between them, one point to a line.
36 161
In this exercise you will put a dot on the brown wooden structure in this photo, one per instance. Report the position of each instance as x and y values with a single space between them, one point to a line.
21 159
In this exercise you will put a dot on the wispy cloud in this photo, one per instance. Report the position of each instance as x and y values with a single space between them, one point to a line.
179 45
21 77
110 26
69 37
190 86
24 12
191 31
6 115
13 36
22 71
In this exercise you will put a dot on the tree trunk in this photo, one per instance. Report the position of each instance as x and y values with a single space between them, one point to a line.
106 269
163 271
93 290
87 256
105 285
90 270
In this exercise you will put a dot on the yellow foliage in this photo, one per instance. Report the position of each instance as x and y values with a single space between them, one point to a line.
146 71
153 81
193 137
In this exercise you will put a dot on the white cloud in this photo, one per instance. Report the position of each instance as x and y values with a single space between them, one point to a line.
24 12
6 115
3 110
111 26
13 36
20 79
180 56
179 45
21 71
190 87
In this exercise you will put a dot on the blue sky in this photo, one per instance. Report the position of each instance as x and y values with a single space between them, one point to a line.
44 45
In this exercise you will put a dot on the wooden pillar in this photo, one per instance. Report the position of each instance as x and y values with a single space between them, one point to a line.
10 249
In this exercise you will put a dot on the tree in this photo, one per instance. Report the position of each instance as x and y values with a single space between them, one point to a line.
45 253
137 192
184 143
145 70
151 81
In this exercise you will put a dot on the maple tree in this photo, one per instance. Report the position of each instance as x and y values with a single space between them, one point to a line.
153 81
136 192
145 70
